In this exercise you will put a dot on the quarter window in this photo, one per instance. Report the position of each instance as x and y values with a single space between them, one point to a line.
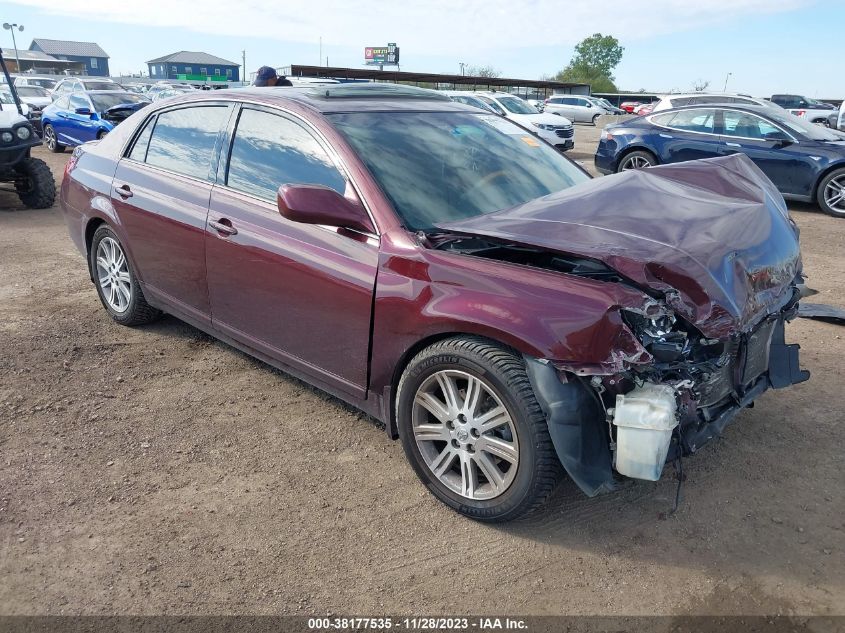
269 151
139 150
183 140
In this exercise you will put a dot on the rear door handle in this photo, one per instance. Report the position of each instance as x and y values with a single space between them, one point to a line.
123 191
223 226
733 144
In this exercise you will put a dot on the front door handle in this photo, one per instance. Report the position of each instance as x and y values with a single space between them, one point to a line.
733 144
123 191
223 226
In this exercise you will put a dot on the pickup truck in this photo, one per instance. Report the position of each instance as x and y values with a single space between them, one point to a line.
812 110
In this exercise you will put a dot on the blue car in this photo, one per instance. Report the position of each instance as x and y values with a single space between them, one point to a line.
86 116
805 161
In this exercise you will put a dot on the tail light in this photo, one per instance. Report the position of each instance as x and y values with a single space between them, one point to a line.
74 157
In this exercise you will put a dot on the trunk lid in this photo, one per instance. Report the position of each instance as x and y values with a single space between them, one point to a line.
713 235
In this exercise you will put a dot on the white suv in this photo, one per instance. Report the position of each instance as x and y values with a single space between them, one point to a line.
703 98
553 129
575 108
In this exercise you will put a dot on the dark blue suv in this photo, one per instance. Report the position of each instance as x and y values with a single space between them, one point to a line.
805 161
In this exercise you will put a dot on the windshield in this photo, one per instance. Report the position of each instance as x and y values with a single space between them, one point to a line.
5 96
804 127
439 167
103 102
31 91
99 85
517 106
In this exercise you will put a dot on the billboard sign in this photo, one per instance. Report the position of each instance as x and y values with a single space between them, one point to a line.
382 55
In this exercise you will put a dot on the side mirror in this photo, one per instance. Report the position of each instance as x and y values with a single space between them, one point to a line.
778 137
83 111
317 204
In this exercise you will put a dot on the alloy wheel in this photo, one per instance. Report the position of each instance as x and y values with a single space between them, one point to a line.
465 434
50 138
635 162
834 194
113 274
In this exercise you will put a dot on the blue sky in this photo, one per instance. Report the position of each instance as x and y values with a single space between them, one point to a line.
768 45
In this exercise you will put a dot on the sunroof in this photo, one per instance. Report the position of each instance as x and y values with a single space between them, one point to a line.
376 91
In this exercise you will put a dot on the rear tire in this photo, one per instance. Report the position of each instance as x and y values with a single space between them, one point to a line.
36 188
639 159
51 140
830 194
596 118
116 282
465 459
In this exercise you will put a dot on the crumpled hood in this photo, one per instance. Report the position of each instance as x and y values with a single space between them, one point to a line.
713 235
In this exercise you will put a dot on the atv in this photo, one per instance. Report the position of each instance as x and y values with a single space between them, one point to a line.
30 178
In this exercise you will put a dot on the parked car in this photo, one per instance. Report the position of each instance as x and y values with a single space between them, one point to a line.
810 109
628 106
575 108
37 98
86 116
7 103
551 128
701 98
501 312
645 108
155 89
540 104
806 162
48 83
468 98
83 84
840 118
173 91
607 105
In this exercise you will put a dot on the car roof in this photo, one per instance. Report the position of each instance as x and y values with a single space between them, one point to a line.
708 94
749 107
370 97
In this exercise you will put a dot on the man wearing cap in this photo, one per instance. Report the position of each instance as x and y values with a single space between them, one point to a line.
266 77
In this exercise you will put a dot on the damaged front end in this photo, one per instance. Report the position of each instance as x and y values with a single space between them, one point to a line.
653 411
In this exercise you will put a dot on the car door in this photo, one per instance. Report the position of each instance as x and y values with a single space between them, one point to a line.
773 150
59 118
685 135
299 293
160 192
80 127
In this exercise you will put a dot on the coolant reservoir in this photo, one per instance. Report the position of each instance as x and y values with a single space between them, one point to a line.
644 419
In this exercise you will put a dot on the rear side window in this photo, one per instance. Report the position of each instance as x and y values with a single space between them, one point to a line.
693 121
269 151
183 140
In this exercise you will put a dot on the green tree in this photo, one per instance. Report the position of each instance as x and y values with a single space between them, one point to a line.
593 63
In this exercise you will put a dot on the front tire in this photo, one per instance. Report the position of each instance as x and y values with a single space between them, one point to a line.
51 140
473 430
639 159
116 282
35 184
831 193
596 119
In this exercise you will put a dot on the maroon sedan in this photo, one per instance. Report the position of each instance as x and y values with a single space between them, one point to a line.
505 315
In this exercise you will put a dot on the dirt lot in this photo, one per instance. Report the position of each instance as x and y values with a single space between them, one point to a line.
157 471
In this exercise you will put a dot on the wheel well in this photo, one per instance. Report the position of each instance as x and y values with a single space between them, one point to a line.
637 148
416 348
90 229
814 193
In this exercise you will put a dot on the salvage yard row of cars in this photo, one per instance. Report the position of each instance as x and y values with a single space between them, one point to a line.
506 316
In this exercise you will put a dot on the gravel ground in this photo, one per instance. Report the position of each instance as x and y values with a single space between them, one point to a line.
157 471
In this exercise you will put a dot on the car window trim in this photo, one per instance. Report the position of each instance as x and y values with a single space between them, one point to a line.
212 170
315 132
677 129
747 138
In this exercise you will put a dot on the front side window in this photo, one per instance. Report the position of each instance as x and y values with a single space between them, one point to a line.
269 151
78 102
183 140
517 106
744 125
444 166
493 105
693 121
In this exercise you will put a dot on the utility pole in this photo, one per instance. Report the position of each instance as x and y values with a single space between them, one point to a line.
462 65
243 78
12 27
321 51
725 89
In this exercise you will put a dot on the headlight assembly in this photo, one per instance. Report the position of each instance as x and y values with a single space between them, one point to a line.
7 137
24 133
658 331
